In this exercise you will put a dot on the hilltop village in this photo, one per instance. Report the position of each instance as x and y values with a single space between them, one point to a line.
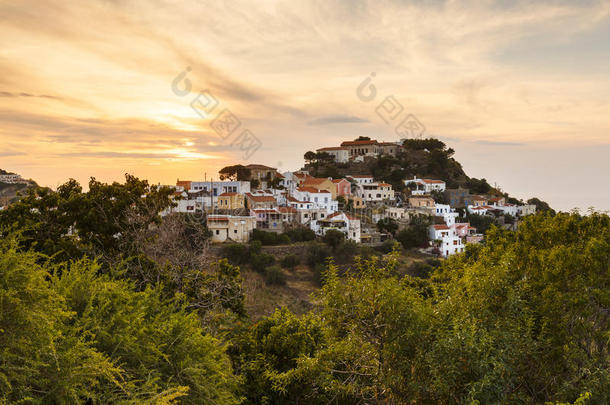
366 189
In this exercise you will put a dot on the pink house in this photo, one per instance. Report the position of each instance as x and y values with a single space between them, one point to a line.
344 187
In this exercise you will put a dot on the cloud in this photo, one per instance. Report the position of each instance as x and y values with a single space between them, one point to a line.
337 119
23 94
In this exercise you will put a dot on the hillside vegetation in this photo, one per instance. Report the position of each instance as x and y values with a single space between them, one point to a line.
103 301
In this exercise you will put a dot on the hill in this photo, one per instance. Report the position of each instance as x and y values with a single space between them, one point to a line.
424 158
10 192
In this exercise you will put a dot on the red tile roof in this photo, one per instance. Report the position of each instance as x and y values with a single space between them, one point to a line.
330 148
431 181
312 190
314 180
259 167
260 198
229 194
358 143
441 227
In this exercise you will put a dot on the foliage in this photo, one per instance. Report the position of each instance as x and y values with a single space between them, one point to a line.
70 335
541 206
260 261
333 238
416 234
268 356
69 223
522 319
290 261
235 173
481 222
270 238
388 225
301 234
477 186
316 253
275 276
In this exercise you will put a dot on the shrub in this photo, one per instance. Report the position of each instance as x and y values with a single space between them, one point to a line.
290 261
421 269
345 251
261 261
270 238
318 272
275 276
301 234
386 246
316 253
236 253
333 238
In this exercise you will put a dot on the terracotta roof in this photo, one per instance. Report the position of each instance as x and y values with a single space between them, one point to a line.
314 180
265 211
312 190
330 148
441 227
260 167
339 180
217 219
260 198
385 185
357 143
292 199
229 194
431 181
336 214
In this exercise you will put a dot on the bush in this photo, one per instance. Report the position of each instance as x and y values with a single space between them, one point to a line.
333 238
236 253
421 269
386 246
261 261
290 261
275 276
301 234
345 251
318 272
317 254
270 238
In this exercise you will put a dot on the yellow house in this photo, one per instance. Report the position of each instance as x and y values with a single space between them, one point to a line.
226 228
230 201
421 201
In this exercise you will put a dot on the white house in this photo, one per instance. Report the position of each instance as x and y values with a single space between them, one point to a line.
11 178
479 210
375 191
528 209
340 221
360 179
219 187
449 242
425 186
340 154
444 210
320 198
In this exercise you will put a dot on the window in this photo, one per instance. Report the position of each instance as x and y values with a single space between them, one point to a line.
217 232
235 231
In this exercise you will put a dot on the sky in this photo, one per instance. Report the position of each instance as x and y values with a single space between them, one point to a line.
179 89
